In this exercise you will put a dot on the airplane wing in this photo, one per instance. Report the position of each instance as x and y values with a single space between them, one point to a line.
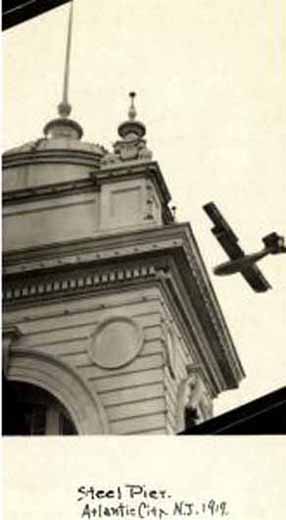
229 241
223 232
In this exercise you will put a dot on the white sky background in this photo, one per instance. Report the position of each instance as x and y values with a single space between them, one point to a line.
211 82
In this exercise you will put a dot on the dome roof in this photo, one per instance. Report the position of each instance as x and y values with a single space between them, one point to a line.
61 143
61 135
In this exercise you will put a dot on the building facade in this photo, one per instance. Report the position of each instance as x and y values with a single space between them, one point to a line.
111 324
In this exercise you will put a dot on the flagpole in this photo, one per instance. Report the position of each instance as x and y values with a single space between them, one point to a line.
64 107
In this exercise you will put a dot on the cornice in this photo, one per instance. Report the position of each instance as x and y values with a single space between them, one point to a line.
122 258
50 284
96 177
46 191
212 305
96 247
185 314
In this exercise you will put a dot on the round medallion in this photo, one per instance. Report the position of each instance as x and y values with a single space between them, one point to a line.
115 342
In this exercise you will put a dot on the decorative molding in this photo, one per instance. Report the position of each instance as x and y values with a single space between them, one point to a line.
10 334
201 399
170 351
99 247
133 148
64 383
79 153
69 282
193 395
212 306
182 303
47 191
150 203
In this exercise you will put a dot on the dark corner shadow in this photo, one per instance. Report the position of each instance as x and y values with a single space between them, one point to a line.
15 12
263 416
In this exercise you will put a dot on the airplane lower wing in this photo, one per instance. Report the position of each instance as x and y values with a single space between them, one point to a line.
255 278
231 247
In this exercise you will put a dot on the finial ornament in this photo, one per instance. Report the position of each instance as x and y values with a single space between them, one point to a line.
63 127
132 110
132 129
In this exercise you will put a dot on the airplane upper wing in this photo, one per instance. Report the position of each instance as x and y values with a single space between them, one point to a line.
223 232
229 241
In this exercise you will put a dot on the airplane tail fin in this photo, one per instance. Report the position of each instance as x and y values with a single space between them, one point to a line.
275 241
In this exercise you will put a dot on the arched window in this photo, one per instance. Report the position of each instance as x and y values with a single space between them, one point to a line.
30 410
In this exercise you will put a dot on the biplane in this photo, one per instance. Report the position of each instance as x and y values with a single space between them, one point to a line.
239 261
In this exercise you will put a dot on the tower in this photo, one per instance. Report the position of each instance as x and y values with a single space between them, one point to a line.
111 324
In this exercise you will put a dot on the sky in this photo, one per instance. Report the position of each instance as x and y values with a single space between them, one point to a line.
210 79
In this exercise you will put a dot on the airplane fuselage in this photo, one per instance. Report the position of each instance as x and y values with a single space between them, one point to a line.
236 266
